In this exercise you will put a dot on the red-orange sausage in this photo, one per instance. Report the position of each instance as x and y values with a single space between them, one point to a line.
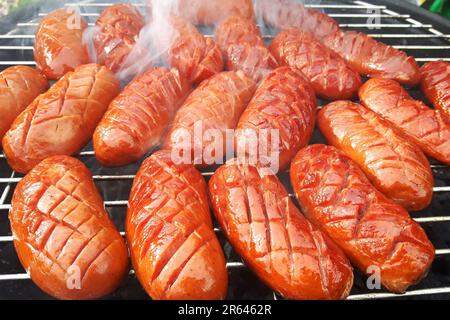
243 47
62 120
374 59
428 128
284 102
274 239
174 250
376 234
62 234
392 162
436 84
58 46
215 106
19 86
118 27
328 73
138 118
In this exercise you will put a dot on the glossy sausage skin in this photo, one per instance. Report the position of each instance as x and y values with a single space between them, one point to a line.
243 47
284 102
59 46
329 74
372 230
62 120
139 116
174 249
118 28
62 234
214 106
428 128
436 84
374 59
19 86
286 14
394 165
274 239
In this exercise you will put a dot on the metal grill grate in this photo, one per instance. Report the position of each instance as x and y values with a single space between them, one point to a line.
403 31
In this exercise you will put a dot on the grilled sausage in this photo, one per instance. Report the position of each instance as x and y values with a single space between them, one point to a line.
328 73
427 128
376 234
62 234
394 165
274 239
374 59
436 84
285 14
215 106
138 118
19 86
243 47
118 28
62 120
284 102
58 46
174 249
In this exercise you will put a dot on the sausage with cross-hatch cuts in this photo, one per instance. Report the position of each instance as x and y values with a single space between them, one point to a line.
62 234
428 128
174 250
274 239
62 120
19 86
377 235
139 116
392 162
284 105
436 84
329 74
58 46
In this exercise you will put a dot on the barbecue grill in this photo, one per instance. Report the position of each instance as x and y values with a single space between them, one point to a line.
419 33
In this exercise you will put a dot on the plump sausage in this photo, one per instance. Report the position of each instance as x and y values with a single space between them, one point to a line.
19 86
284 102
117 30
427 128
174 249
58 46
394 165
138 118
62 120
285 14
436 84
376 234
374 59
198 133
328 73
62 234
243 47
274 239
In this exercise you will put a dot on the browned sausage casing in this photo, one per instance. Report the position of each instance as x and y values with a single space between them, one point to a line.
274 239
284 102
118 28
243 47
19 86
376 234
174 249
62 234
62 120
59 46
391 161
138 118
329 74
428 128
214 106
436 84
